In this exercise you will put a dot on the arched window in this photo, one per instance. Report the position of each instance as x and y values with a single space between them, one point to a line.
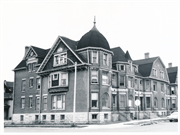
155 102
105 100
131 101
162 102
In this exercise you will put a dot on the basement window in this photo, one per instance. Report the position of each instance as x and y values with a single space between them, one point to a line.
94 116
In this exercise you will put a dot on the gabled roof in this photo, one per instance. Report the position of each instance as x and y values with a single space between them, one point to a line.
145 65
73 45
39 51
119 55
127 56
172 73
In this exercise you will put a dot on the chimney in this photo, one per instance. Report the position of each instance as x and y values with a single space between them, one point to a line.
170 65
26 49
146 55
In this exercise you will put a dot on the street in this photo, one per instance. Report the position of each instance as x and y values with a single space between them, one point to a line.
160 127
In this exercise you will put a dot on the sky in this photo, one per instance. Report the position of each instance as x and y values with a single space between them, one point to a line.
137 26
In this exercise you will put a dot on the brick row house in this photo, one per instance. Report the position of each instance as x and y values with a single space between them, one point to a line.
8 100
108 82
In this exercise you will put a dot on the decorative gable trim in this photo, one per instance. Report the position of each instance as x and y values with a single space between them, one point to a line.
50 53
71 50
29 51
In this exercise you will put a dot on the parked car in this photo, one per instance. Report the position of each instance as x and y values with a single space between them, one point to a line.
173 117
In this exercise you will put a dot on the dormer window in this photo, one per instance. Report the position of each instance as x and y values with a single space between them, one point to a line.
29 67
60 59
94 57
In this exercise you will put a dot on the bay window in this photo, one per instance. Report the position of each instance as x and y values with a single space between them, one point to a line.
58 79
130 82
58 102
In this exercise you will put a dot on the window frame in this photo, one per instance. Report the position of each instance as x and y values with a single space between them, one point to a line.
149 102
106 75
97 100
124 100
23 86
92 57
21 117
37 107
107 61
97 74
31 84
22 102
156 99
44 118
94 116
123 81
63 101
44 103
50 79
38 83
30 102
162 103
59 56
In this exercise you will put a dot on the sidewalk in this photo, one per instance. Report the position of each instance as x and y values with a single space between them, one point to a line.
113 125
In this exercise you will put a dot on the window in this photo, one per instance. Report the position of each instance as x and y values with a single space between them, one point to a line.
94 99
36 117
22 103
94 57
130 82
162 74
141 85
38 83
33 66
162 87
44 117
63 79
29 67
21 117
31 82
147 85
30 102
154 86
105 79
52 117
58 102
113 76
62 117
148 102
60 59
45 102
172 90
155 102
154 72
94 76
114 99
135 84
105 100
94 116
58 79
105 59
131 101
121 80
37 103
122 100
162 103
121 67
173 103
105 116
23 85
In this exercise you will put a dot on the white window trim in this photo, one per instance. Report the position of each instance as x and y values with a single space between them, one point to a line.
120 67
59 54
56 102
97 77
107 59
50 81
92 57
30 95
97 101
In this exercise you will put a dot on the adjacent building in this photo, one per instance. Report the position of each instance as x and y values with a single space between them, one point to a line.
8 100
108 83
